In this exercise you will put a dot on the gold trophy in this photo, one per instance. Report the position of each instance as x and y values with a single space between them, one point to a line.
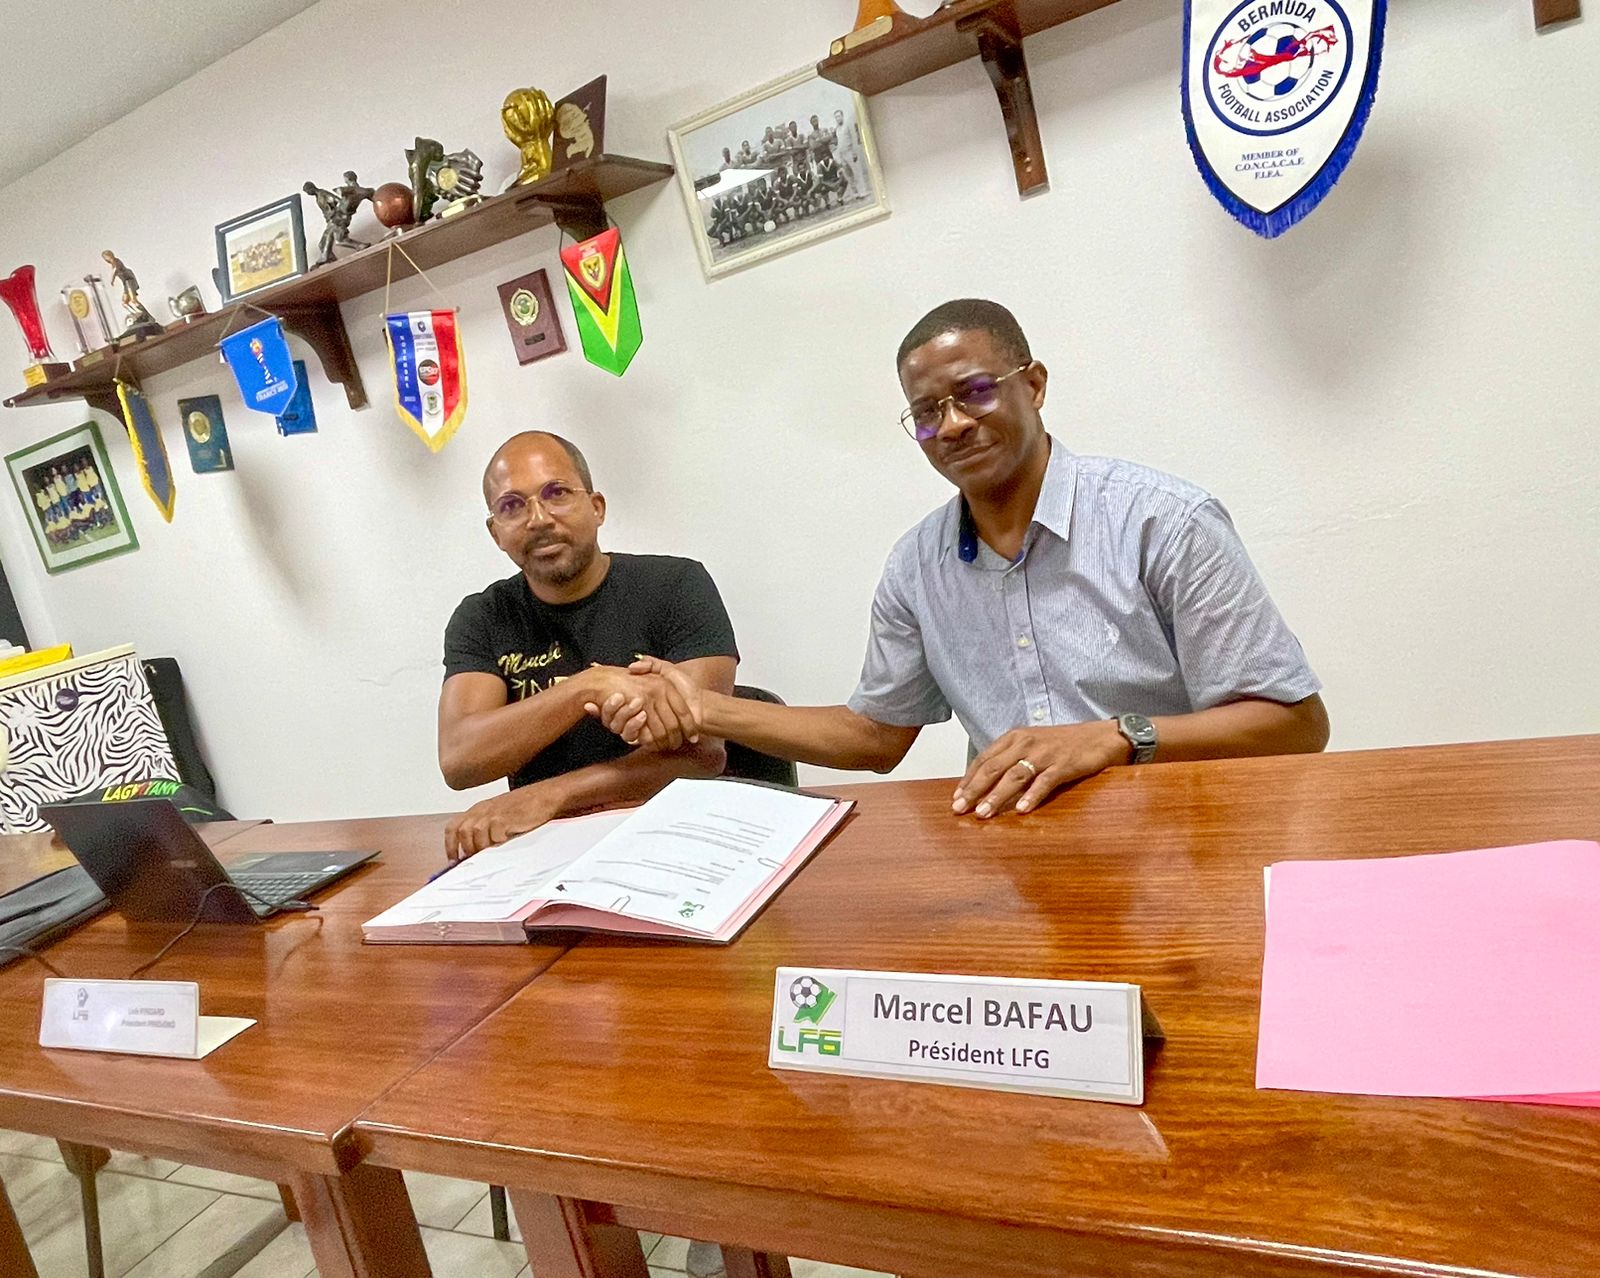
874 19
527 118
17 291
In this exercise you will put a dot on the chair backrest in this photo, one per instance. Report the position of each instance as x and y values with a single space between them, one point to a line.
752 765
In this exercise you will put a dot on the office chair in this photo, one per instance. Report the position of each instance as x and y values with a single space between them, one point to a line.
752 765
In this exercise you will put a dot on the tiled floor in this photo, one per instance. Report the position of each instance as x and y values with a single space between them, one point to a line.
162 1220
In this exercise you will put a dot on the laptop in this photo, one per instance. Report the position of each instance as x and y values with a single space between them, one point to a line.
155 869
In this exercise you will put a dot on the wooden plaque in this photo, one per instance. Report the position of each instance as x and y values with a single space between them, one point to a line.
580 125
531 317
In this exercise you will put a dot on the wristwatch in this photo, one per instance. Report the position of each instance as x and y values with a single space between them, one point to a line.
1141 735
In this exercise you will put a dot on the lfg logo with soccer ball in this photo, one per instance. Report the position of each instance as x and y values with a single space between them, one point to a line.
812 1000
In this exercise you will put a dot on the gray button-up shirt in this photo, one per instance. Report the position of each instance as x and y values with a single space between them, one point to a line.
1132 594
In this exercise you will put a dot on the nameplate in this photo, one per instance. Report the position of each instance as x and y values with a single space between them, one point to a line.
141 1018
1081 1039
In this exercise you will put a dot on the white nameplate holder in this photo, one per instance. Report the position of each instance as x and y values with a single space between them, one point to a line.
1082 1039
141 1018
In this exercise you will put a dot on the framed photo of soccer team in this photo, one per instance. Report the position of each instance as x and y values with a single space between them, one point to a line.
782 166
70 500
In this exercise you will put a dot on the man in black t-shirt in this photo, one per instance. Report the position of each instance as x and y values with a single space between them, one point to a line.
528 659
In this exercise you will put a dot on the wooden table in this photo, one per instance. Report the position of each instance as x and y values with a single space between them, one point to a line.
338 1024
629 1084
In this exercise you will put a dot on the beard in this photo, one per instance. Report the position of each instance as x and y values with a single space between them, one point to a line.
563 568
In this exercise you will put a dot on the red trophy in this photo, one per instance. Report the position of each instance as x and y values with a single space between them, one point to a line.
17 292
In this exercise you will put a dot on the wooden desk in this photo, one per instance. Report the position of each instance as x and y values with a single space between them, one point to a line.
339 1023
629 1084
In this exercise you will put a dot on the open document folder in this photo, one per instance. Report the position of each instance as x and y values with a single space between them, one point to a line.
696 862
1470 974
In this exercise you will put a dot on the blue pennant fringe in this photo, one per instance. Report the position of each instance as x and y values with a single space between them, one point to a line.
1273 224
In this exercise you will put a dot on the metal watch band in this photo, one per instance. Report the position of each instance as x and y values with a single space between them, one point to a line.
1140 734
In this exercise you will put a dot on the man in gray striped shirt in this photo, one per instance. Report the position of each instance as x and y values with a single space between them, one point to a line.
1072 612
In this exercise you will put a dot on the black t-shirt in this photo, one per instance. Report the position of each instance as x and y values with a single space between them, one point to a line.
648 605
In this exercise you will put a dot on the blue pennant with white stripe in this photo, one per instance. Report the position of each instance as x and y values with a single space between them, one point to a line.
1275 95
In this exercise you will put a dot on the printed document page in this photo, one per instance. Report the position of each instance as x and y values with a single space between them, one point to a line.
498 884
695 854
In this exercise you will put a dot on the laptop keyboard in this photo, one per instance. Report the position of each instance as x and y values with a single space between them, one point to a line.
277 888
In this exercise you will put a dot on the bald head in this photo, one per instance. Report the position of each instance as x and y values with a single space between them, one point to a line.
530 442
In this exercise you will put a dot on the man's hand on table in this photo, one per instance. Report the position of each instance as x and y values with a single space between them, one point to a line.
1028 765
493 821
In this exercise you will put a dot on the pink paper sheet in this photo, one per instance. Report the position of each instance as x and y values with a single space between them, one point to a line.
1471 974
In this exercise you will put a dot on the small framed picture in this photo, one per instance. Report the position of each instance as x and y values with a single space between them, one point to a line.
782 166
70 499
206 433
261 249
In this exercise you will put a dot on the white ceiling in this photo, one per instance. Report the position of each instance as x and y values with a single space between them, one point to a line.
71 68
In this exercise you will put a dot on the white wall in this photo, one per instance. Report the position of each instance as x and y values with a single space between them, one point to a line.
1397 400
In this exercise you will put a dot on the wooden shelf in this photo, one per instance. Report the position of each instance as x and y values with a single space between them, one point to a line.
994 31
989 29
922 46
574 199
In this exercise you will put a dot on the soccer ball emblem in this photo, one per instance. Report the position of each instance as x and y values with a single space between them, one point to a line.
804 991
1281 57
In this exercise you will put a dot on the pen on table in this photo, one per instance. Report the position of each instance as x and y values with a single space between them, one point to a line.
445 870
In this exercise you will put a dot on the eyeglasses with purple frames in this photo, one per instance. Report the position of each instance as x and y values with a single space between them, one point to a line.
978 396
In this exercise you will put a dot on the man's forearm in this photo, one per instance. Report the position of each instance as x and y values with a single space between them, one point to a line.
829 736
632 778
489 745
1242 728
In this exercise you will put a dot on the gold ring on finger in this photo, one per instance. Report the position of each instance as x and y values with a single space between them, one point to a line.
1032 771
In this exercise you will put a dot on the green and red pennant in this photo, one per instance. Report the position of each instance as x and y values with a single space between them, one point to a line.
601 288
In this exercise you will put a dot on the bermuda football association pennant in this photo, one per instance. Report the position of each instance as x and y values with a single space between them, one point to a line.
261 363
1275 95
149 449
430 373
601 288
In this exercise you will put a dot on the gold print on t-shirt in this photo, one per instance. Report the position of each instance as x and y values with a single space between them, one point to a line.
515 664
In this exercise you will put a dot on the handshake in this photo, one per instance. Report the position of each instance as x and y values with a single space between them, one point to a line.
652 703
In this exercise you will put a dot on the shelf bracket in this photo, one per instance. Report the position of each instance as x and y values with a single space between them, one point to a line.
1000 47
322 329
106 401
581 219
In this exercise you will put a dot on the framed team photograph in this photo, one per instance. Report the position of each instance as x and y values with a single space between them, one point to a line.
70 499
260 249
775 169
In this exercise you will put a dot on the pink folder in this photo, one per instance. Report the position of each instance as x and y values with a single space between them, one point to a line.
1470 974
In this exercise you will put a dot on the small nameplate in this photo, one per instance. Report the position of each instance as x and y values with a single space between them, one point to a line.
1058 1038
141 1018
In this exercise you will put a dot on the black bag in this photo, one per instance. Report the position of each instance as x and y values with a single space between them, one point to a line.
195 806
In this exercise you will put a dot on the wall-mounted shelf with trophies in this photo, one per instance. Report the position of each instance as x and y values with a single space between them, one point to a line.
994 30
990 29
573 198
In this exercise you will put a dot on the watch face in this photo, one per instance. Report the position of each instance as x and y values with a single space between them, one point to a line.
1138 728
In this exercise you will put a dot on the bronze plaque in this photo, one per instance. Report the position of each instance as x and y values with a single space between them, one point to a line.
580 125
531 317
